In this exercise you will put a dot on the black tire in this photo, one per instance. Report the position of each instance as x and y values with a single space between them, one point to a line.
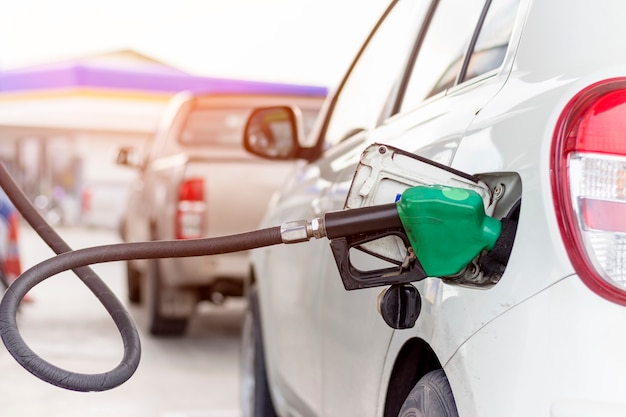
159 324
430 397
133 283
255 395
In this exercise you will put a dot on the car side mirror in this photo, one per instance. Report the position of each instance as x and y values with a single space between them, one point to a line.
274 133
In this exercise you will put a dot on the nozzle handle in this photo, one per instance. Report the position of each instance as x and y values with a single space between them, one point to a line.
356 279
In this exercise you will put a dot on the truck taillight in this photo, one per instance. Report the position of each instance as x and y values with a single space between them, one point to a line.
589 186
190 212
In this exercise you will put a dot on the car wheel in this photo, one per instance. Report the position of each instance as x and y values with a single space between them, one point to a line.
430 397
255 395
160 324
133 281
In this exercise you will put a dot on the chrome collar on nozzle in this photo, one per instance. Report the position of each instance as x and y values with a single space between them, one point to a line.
302 230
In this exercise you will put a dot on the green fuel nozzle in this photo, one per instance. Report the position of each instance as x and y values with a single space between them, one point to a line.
443 229
447 227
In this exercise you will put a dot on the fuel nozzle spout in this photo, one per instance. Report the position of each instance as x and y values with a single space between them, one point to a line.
443 229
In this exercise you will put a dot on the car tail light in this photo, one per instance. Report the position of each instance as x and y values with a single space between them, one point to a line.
191 209
589 186
12 261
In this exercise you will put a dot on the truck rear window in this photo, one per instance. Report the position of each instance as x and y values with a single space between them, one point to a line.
224 126
216 126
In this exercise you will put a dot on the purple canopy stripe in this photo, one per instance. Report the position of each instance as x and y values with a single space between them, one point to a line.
147 78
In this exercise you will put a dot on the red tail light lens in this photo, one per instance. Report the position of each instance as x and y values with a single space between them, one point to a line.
191 209
12 261
589 186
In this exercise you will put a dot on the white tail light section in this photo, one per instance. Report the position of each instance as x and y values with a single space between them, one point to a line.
589 186
190 213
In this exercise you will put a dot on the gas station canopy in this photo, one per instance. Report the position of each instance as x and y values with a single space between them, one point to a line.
121 92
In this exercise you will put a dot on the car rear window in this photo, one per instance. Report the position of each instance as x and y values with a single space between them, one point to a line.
441 55
493 40
440 62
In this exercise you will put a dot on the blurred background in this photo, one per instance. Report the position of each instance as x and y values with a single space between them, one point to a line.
80 79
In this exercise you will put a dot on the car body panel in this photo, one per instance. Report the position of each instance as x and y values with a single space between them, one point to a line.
517 348
540 340
416 131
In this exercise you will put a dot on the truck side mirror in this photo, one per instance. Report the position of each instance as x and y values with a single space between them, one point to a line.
273 132
128 156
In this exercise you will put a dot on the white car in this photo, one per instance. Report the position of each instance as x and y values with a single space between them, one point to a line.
527 97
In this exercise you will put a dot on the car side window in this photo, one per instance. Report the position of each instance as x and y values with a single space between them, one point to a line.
363 96
493 39
441 55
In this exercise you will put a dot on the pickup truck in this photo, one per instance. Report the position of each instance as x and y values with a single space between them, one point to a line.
196 180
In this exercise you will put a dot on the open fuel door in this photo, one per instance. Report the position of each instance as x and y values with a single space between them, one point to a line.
445 227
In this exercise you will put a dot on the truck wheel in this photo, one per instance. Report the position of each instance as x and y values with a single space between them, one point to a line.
133 281
431 397
160 324
255 395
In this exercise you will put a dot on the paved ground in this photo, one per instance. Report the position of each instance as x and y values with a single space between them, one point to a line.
196 376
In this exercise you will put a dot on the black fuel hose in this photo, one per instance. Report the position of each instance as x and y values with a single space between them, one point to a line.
77 261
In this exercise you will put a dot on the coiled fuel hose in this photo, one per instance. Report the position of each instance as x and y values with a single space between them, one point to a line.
77 261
